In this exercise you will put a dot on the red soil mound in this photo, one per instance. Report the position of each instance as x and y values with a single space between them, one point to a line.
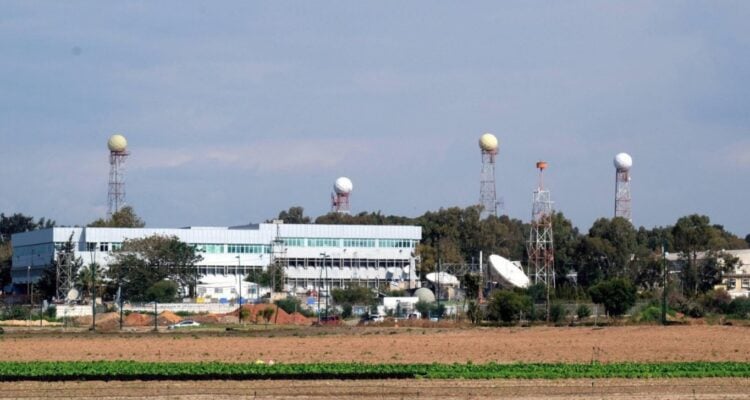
168 318
137 319
279 316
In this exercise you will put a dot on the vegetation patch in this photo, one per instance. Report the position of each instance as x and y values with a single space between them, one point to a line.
131 370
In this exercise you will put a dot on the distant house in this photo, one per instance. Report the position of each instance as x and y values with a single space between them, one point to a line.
736 283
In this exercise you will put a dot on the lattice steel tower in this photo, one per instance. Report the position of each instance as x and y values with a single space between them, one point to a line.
487 191
623 162
541 247
118 152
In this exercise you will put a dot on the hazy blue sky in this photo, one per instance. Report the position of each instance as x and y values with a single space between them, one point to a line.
237 110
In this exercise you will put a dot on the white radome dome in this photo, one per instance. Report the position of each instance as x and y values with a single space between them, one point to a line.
488 142
117 143
425 295
623 161
343 185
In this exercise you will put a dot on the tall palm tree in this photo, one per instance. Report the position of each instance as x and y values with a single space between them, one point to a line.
89 276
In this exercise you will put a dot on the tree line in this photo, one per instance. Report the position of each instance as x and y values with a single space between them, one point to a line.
610 249
613 248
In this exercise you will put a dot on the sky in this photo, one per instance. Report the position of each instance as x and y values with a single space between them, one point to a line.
235 111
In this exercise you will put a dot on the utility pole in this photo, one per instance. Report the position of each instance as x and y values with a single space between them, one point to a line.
665 273
240 301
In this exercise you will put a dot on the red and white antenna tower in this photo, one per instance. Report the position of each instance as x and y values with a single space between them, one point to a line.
342 189
623 163
541 247
118 152
487 190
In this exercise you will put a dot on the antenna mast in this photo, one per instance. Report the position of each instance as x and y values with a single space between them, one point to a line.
541 243
487 188
623 199
118 152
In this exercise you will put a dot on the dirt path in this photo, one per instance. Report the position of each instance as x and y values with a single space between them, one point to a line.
402 345
388 389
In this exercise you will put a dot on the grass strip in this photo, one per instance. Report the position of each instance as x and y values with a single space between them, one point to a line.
133 370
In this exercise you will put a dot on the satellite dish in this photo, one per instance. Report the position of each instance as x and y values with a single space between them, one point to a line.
444 278
72 295
510 274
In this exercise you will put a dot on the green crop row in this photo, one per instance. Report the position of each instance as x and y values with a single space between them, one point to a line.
131 370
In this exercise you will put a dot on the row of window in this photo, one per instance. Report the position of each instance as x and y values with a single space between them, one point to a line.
732 283
248 249
212 248
334 242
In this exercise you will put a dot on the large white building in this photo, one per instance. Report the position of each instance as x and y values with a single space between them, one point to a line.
314 256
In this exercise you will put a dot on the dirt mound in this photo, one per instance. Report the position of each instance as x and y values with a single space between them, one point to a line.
279 316
207 318
102 319
168 318
299 319
138 319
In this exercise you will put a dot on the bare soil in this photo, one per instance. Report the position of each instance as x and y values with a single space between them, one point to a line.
388 389
395 345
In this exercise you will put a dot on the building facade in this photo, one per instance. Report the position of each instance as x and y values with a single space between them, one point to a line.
314 257
735 282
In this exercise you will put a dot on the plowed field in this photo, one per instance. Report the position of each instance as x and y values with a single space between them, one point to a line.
397 345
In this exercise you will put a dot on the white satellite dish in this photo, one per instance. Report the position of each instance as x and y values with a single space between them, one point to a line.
444 278
510 274
72 295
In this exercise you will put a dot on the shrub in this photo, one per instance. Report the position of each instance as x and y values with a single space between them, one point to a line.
716 301
650 314
474 312
740 307
557 313
617 295
15 312
290 304
583 311
51 312
346 311
424 308
507 305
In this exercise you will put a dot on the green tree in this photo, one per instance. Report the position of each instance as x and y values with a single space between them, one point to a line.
566 238
267 313
272 277
18 223
507 305
353 295
692 234
617 295
472 284
711 269
164 291
425 308
291 305
294 215
141 263
124 218
88 277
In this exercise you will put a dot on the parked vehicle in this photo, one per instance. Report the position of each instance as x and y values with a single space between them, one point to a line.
188 323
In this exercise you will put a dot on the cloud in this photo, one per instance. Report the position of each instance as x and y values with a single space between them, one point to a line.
738 155
266 156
